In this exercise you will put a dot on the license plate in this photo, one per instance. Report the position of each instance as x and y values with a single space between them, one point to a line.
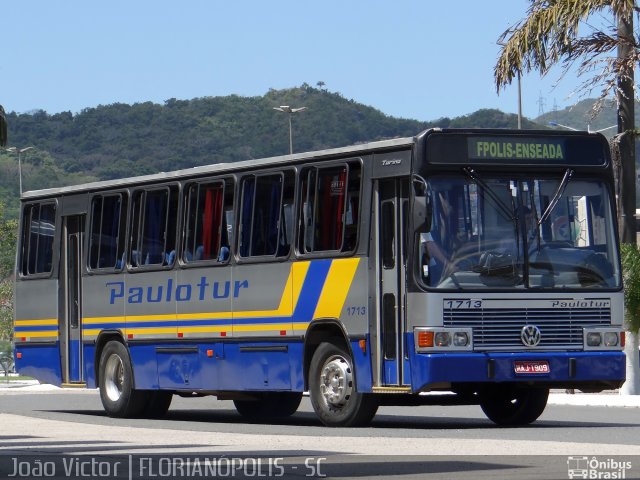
534 367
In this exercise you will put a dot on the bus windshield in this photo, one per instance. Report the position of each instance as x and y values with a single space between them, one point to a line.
494 232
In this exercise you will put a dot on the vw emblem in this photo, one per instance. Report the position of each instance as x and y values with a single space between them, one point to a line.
530 335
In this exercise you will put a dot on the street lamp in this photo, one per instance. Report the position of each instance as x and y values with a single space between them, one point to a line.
19 151
290 111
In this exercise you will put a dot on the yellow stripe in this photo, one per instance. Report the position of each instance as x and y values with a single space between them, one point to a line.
149 331
262 327
204 316
336 288
169 317
31 323
204 329
94 320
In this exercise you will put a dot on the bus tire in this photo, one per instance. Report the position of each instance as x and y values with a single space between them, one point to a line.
118 396
158 403
269 405
513 405
332 389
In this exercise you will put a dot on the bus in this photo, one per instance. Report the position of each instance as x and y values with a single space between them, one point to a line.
459 266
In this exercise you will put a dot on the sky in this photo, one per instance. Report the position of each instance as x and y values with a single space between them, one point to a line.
418 59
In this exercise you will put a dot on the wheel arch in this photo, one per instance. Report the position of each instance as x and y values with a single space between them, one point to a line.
324 330
105 337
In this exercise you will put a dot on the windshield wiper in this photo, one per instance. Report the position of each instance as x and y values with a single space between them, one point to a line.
556 196
505 210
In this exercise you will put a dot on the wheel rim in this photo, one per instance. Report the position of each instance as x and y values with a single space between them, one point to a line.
114 377
336 381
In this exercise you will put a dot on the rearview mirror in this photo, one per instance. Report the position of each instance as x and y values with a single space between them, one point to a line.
421 207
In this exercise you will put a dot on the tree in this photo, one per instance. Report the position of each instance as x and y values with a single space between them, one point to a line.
3 127
6 310
8 239
557 32
631 269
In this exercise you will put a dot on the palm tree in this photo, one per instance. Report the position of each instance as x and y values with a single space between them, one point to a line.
557 32
550 35
3 127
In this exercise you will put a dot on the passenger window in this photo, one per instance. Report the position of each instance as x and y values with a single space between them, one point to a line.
209 209
153 230
266 224
106 240
37 239
330 202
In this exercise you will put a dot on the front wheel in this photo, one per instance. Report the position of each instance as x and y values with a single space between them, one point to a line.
118 396
332 389
513 405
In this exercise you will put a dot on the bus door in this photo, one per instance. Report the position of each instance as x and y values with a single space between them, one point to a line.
71 283
392 210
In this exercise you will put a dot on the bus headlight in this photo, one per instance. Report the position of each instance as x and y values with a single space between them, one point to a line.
594 339
610 339
600 338
443 339
460 339
428 339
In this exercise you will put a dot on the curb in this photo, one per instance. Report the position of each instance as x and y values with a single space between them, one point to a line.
577 400
595 400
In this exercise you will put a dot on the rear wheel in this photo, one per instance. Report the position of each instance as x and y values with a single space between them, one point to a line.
513 405
332 389
269 405
118 396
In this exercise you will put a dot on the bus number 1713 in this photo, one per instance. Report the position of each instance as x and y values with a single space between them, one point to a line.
462 303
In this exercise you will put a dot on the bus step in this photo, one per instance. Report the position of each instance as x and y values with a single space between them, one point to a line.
397 389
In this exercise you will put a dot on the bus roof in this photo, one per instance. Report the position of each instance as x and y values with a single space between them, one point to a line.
220 168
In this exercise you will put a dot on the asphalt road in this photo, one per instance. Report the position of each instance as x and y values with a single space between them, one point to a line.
407 442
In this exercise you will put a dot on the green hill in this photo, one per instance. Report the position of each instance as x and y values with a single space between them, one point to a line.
122 140
582 116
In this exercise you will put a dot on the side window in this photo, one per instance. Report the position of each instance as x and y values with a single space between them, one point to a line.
330 205
37 239
266 224
153 229
209 211
106 240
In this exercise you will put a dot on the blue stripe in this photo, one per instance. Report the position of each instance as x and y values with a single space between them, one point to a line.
310 293
36 328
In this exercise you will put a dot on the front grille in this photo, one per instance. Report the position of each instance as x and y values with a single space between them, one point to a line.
500 328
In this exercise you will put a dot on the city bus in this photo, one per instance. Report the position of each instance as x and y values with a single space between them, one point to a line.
459 266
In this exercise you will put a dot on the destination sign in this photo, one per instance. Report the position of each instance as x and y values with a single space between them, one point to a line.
482 148
468 147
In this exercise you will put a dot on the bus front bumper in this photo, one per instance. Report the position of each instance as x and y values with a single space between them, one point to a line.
583 370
